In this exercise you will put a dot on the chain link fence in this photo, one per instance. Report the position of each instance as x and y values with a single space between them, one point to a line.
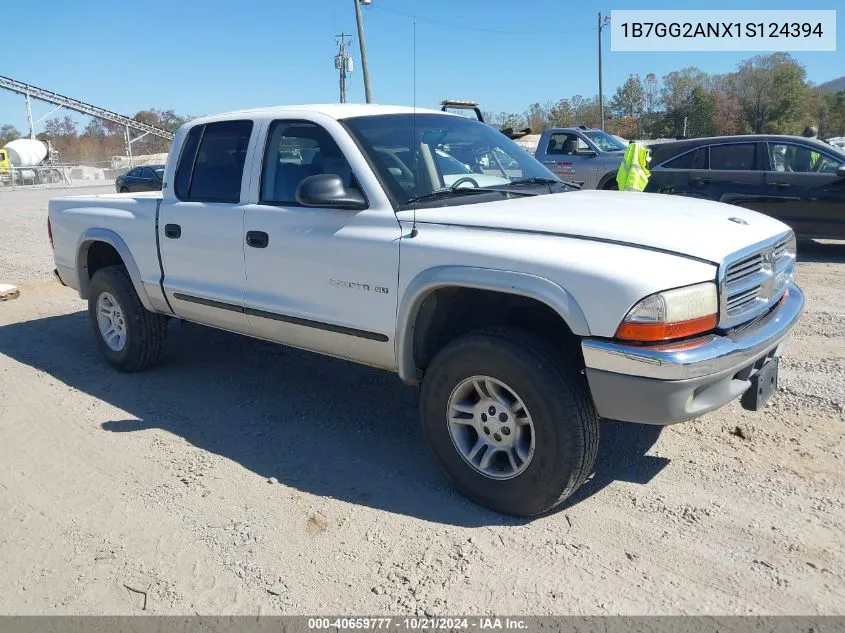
59 175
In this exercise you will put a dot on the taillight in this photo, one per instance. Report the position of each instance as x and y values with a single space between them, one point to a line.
50 232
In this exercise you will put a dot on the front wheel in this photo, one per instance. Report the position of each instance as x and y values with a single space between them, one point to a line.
510 422
129 336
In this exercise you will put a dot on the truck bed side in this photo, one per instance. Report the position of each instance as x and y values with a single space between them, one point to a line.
126 223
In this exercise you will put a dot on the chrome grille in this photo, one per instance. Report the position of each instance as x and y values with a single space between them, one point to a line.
744 268
754 279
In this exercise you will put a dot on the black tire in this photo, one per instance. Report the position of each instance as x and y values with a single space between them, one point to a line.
611 184
554 391
146 332
124 190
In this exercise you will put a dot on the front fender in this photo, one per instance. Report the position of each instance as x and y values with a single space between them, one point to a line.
89 237
510 282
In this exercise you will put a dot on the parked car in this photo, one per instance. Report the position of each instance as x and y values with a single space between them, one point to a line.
525 309
587 157
797 180
147 178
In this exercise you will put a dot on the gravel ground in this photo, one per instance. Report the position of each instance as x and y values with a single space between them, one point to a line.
242 477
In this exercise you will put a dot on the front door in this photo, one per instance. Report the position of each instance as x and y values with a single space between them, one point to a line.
804 190
201 228
570 158
319 278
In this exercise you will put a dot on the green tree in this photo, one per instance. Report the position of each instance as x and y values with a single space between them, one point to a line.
652 118
562 114
57 127
676 93
8 133
586 111
836 114
771 90
629 101
699 110
537 117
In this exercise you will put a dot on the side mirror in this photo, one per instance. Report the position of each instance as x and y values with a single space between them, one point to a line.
841 171
328 190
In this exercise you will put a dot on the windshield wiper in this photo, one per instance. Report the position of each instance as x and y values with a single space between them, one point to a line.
540 181
447 192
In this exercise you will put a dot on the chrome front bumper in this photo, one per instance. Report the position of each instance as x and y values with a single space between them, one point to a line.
673 382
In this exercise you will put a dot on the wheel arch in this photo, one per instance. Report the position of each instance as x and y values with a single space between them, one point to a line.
533 287
611 175
98 236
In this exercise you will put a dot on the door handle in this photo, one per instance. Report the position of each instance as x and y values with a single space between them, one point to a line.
702 181
257 239
780 185
173 231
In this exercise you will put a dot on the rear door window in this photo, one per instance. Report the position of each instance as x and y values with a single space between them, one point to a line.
211 166
734 157
695 159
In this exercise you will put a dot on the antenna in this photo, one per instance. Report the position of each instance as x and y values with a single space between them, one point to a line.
414 231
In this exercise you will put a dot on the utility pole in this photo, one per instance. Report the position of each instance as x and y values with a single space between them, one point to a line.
602 24
29 116
364 68
343 63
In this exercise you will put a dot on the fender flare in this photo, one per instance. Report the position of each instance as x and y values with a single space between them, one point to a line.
93 235
505 281
611 175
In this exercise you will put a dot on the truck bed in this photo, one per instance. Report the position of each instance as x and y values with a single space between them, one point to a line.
127 218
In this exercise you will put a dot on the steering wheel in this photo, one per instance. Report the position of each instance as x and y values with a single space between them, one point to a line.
462 180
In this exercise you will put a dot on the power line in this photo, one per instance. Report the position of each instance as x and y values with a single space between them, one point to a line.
479 29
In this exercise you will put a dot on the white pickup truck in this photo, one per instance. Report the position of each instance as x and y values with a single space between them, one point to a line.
525 310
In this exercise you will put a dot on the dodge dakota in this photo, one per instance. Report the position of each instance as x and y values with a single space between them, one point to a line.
524 309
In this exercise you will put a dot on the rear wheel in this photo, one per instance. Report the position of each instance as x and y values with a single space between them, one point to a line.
124 190
130 337
511 423
611 185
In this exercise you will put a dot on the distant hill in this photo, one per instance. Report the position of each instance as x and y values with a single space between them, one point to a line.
834 85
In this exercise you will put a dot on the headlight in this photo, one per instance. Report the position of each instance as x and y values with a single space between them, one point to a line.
672 314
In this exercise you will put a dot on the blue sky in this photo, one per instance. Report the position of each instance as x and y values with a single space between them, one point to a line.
211 56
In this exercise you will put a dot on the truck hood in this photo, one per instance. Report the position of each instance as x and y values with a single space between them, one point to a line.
677 224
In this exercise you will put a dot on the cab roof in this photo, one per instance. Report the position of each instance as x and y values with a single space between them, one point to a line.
333 110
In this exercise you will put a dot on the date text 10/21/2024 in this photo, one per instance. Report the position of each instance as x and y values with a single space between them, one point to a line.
419 623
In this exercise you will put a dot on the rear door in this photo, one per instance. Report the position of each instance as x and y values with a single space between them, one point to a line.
734 175
673 176
804 190
130 180
147 180
571 158
200 227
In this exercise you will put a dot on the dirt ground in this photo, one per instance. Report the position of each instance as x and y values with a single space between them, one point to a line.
152 492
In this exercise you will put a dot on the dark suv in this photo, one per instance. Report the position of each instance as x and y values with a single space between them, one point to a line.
797 180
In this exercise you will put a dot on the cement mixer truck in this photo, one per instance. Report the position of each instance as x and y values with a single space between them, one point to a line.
28 161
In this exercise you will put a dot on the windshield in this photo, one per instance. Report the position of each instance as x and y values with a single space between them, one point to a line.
450 166
605 141
418 154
